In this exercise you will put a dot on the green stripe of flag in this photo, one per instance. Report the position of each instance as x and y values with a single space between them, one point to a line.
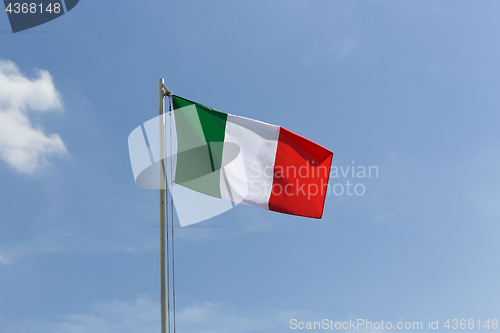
200 142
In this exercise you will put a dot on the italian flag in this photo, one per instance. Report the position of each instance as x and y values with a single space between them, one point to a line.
247 161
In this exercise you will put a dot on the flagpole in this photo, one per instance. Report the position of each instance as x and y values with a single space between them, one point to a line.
164 260
163 247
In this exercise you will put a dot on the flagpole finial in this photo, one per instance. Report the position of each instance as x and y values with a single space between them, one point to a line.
164 89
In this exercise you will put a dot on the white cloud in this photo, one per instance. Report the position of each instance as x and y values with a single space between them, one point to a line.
23 146
39 245
211 318
143 315
3 260
110 317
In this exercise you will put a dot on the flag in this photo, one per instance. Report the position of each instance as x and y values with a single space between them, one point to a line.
247 161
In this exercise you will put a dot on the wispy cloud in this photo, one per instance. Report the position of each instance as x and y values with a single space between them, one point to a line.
3 260
211 317
142 315
42 244
22 146
137 316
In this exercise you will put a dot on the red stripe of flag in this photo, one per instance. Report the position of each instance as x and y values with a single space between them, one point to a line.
301 173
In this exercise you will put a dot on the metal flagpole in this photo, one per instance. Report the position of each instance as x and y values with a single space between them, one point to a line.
163 247
162 92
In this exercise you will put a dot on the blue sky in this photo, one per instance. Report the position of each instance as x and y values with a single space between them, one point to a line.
409 87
